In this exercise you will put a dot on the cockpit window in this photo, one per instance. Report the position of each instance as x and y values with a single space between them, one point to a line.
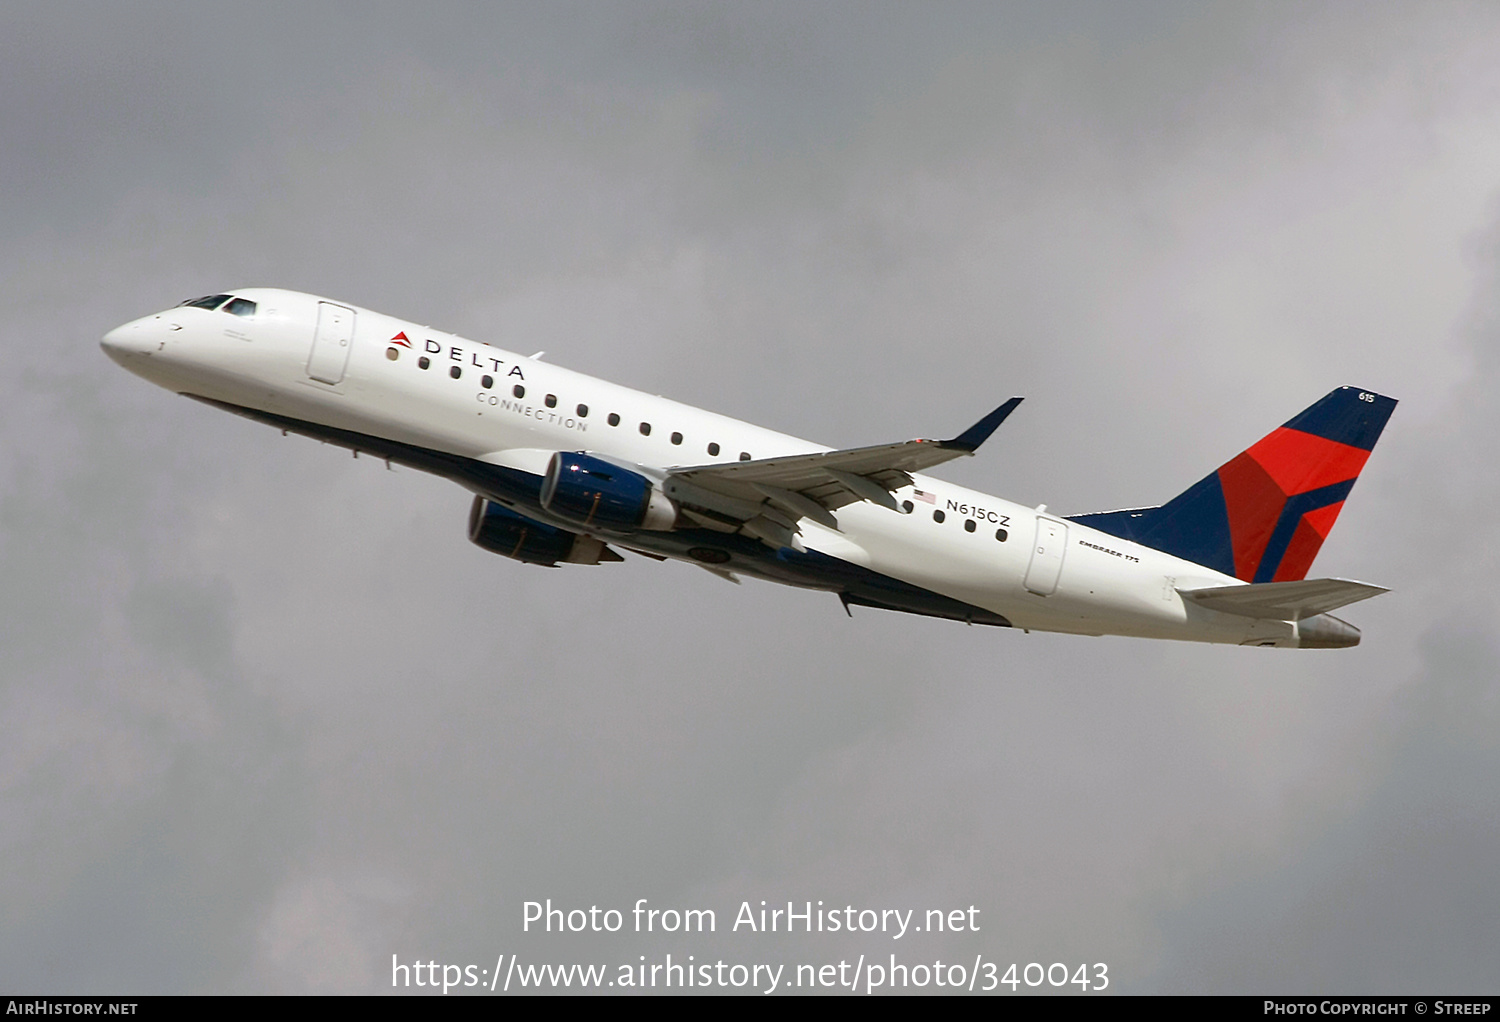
241 307
210 302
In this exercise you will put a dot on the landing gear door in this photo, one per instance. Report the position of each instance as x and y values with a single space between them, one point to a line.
331 343
1047 556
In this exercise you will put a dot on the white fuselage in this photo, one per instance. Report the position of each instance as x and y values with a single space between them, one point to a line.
480 402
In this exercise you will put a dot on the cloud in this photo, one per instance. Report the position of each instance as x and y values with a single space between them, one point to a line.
1389 892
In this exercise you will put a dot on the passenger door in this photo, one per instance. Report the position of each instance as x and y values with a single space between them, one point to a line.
331 343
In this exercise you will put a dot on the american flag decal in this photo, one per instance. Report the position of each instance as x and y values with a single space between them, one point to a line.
924 496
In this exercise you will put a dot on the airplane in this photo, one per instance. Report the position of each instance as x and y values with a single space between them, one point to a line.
570 469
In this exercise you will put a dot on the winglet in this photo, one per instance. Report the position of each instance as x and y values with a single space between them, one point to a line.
970 439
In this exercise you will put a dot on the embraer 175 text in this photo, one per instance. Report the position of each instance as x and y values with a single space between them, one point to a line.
564 467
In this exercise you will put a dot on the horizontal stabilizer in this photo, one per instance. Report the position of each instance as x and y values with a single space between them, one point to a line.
1284 601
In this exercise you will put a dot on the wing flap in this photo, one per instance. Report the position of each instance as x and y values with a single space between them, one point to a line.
1284 601
815 485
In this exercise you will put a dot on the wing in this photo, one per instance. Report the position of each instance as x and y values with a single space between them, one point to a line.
1284 601
768 498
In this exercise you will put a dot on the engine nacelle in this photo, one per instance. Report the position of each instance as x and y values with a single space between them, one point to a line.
500 530
591 491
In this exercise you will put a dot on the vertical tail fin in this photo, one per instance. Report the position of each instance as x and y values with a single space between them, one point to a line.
1264 514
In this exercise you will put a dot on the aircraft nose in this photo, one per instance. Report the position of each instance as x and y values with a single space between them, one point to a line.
125 341
115 339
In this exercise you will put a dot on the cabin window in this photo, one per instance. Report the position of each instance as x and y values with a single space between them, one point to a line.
614 419
486 381
906 507
645 429
393 353
1002 535
713 450
551 401
938 516
518 390
968 525
583 411
677 438
455 371
744 455
423 362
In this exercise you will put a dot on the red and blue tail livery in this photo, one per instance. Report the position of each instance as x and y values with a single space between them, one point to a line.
1264 514
569 469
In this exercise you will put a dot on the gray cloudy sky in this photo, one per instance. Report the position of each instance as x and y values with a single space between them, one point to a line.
266 718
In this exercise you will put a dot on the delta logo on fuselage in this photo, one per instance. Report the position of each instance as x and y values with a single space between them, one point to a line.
457 355
486 396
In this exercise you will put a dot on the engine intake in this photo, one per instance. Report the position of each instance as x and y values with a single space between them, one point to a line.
502 531
591 491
